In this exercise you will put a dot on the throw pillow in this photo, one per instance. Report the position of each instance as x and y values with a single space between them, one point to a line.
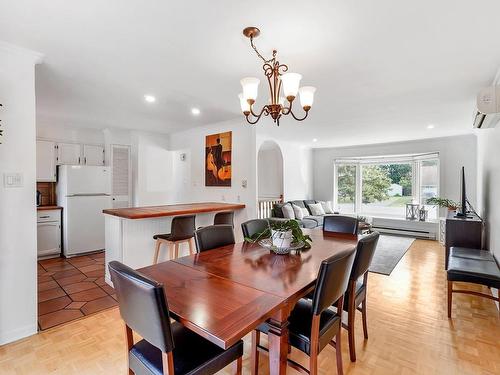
316 209
327 207
299 214
288 211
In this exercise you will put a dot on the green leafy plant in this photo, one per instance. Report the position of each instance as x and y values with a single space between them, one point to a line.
283 226
443 202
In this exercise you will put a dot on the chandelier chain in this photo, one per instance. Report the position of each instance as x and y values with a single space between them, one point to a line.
258 54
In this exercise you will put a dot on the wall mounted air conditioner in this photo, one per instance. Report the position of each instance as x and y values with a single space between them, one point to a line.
487 114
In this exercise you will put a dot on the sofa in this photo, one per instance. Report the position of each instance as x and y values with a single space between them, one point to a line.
310 221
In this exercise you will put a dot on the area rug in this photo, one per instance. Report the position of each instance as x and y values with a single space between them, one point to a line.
390 250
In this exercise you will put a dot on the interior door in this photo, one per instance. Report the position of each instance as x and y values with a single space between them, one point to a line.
93 155
121 181
68 153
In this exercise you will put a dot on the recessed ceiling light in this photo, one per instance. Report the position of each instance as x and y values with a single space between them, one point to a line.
430 126
315 139
149 98
195 111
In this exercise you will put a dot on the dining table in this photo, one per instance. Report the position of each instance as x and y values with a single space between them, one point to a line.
225 293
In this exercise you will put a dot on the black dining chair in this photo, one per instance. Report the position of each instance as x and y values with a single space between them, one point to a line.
224 217
340 224
357 290
181 231
312 325
213 236
166 347
252 227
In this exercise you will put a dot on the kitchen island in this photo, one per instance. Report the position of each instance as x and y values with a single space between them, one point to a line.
129 231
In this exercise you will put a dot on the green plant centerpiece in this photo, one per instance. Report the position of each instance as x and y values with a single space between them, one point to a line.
443 202
282 236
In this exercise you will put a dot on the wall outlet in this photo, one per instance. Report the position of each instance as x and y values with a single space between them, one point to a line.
223 198
238 198
244 183
13 180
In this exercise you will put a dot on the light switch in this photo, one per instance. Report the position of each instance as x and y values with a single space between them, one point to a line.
13 180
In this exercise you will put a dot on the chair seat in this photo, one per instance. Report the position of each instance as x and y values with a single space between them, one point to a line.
300 326
192 355
463 252
475 267
169 237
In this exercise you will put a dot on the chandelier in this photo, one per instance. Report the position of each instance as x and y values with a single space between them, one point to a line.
278 78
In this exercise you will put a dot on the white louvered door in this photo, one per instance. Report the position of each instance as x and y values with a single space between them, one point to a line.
121 176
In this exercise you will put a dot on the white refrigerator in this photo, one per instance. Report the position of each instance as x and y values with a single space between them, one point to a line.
83 192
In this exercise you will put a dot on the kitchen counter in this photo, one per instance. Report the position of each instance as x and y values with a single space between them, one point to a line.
46 208
129 231
172 210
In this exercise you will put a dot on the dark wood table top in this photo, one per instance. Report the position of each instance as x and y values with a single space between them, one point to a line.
225 293
172 210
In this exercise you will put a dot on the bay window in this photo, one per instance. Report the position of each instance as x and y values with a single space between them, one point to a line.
383 186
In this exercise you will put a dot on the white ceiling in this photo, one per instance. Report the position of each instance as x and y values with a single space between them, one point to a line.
384 69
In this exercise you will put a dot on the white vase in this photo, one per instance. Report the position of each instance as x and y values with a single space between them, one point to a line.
282 239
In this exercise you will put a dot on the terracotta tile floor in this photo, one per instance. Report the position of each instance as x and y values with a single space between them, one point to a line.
72 288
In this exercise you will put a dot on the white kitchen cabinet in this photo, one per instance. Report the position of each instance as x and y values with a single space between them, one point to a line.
49 233
69 153
45 161
93 155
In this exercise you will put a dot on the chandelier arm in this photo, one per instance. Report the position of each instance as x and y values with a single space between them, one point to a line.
257 117
299 119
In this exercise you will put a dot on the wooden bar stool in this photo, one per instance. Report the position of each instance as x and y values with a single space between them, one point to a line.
182 231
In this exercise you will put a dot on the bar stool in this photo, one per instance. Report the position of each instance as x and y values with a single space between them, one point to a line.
182 231
224 217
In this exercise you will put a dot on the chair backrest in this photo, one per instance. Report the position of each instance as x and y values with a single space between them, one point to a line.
340 224
364 255
225 217
183 227
213 236
251 227
143 305
332 281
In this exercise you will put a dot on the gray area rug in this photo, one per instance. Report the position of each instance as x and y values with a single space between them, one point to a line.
390 250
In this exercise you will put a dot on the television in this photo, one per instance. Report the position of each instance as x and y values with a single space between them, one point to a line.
462 211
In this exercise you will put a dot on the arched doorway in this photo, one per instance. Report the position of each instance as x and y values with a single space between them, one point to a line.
269 177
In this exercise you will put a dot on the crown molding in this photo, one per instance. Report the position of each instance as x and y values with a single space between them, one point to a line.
35 56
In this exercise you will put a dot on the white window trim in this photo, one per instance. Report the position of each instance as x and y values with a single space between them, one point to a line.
414 159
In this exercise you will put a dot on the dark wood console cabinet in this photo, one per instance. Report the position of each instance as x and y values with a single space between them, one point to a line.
463 232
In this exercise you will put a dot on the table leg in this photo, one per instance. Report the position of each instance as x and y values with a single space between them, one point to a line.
278 346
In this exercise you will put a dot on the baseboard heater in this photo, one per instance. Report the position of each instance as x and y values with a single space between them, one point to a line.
406 232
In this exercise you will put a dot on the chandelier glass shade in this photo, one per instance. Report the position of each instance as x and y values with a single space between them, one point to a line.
284 87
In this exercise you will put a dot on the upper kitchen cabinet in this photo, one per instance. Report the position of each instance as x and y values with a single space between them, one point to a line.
69 153
45 161
93 155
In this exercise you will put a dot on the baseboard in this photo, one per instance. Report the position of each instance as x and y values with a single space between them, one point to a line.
17 334
494 292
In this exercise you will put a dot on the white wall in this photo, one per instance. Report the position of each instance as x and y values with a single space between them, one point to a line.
189 176
270 172
297 163
489 186
18 254
454 152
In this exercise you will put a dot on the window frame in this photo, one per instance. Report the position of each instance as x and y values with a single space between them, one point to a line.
415 160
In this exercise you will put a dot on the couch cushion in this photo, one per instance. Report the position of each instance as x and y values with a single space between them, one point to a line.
277 209
316 209
307 202
308 223
287 210
317 219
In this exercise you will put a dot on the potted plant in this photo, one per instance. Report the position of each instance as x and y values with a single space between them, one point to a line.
283 234
443 202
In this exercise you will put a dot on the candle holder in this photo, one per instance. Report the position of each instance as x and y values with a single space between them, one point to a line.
412 211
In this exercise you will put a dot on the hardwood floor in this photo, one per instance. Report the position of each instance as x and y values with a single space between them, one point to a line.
408 329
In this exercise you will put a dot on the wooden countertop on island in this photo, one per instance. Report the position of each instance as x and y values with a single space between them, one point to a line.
172 210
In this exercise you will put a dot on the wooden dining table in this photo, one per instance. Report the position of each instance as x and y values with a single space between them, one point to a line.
225 293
